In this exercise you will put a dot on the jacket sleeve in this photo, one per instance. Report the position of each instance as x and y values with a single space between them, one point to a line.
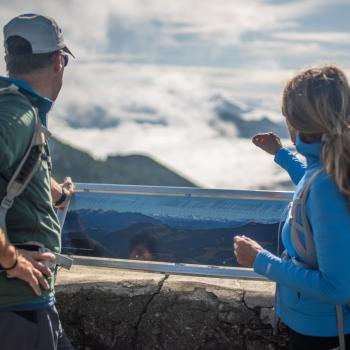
289 162
330 220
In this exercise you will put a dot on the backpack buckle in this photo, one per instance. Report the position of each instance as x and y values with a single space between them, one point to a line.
6 203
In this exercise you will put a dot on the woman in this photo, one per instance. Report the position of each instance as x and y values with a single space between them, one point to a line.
316 103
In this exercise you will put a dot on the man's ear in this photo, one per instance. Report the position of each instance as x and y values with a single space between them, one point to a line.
57 63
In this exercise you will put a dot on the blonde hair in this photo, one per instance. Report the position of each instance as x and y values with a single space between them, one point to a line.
316 102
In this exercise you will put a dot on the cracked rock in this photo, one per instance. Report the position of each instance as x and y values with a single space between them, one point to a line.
129 310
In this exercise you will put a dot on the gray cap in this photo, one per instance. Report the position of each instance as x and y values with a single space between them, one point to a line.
43 33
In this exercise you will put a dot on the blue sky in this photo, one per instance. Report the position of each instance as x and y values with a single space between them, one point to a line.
223 33
235 34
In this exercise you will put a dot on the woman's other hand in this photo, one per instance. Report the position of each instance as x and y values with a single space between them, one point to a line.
268 142
246 250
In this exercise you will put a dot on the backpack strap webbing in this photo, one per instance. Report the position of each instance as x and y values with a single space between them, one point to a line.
306 251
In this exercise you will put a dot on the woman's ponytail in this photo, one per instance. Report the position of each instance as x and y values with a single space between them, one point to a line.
336 159
316 102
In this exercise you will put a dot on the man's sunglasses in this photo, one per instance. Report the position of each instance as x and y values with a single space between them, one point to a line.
65 59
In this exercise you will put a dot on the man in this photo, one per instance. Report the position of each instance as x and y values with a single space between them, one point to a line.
36 56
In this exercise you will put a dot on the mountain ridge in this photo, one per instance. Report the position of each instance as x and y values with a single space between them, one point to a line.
132 169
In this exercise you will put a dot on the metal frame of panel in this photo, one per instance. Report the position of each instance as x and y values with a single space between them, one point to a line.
173 268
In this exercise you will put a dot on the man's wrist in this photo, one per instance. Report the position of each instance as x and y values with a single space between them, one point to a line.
63 197
8 258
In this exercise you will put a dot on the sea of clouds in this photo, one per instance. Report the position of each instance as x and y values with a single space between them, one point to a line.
172 114
187 82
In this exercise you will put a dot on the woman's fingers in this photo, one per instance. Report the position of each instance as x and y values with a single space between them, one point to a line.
258 139
245 250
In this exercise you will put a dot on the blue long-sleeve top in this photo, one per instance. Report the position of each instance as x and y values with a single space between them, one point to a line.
306 298
288 161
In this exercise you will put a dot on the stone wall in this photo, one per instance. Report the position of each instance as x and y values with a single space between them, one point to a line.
104 308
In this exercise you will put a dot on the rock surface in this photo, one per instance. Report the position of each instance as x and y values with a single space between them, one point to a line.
103 308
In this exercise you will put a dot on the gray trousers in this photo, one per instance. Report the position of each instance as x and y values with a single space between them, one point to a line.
32 330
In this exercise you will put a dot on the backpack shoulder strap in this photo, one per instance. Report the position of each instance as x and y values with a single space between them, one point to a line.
307 251
29 163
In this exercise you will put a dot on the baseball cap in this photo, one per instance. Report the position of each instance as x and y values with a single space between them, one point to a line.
42 33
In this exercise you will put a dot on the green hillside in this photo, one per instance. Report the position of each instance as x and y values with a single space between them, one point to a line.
130 170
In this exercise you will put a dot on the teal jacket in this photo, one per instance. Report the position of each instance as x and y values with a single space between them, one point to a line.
306 298
32 217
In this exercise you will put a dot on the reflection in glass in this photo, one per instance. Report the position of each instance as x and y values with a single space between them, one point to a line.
143 247
175 227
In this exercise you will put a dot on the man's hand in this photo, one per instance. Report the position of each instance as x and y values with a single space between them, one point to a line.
31 269
57 191
246 250
269 142
68 185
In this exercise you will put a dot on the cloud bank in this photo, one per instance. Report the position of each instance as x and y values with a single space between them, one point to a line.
151 75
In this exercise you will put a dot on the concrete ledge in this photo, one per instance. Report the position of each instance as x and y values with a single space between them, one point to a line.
104 308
